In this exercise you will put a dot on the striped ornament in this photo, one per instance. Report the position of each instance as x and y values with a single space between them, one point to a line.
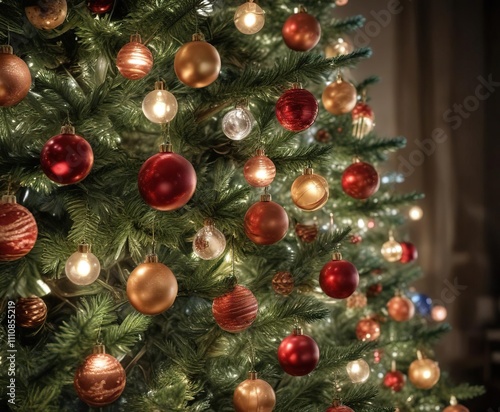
236 310
18 230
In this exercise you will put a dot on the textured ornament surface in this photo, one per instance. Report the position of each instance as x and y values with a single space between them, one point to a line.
152 288
167 181
298 355
66 158
296 109
236 310
360 180
266 223
339 97
301 32
15 79
339 279
18 231
368 330
254 395
46 14
306 233
100 380
134 60
197 64
259 171
283 283
309 192
31 312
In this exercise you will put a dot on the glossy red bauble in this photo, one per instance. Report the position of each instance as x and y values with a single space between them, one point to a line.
167 181
66 158
410 252
296 109
301 31
394 380
18 230
360 180
100 6
236 310
266 222
298 354
362 110
339 278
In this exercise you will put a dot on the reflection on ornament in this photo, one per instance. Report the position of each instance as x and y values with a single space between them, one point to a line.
249 18
134 60
296 109
416 213
82 267
424 373
368 329
358 371
259 171
254 395
439 313
394 380
401 309
298 354
391 250
209 242
46 14
237 123
310 191
159 106
410 252
339 47
100 6
339 97
301 31
455 407
15 77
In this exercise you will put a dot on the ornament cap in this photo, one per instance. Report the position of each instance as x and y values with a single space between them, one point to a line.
135 38
453 400
308 171
198 37
151 258
266 197
166 148
67 129
6 49
83 248
393 365
100 348
260 152
297 331
252 375
420 356
9 199
208 222
160 85
300 9
337 256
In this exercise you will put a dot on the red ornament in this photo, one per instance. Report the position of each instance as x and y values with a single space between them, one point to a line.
67 158
360 180
15 77
235 311
100 6
298 354
341 408
377 355
401 309
410 252
339 278
266 222
362 110
374 290
167 181
394 380
306 233
18 230
259 171
134 60
368 330
301 31
355 239
296 109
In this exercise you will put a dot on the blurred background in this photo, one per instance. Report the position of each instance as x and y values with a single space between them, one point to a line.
439 62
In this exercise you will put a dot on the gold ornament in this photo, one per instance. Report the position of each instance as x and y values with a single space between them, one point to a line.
254 395
357 300
283 283
424 373
391 250
151 287
309 191
339 47
47 14
339 97
31 312
197 63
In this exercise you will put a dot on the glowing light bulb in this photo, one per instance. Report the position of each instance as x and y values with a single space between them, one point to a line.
249 18
160 106
82 267
358 371
416 213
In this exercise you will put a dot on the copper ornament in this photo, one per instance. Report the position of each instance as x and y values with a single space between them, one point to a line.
236 310
254 395
31 312
46 14
283 283
134 60
15 78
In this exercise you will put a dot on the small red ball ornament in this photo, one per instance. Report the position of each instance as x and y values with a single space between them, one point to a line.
394 380
134 60
100 379
15 77
236 310
298 354
339 278
167 181
266 222
259 171
341 408
301 31
401 309
360 180
67 158
18 229
410 252
296 109
368 329
100 6
362 110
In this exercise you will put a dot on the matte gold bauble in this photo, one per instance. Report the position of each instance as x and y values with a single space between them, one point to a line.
309 191
151 287
31 312
15 78
197 63
46 14
339 97
424 373
254 395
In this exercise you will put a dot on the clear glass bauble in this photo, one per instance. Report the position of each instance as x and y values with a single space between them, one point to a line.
249 18
160 106
82 267
237 124
209 242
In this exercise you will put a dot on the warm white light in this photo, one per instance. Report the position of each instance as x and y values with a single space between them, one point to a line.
82 267
249 18
416 213
160 106
358 371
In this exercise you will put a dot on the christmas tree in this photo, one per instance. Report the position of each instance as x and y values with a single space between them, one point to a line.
193 219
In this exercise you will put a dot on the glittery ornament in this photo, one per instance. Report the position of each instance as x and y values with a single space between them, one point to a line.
368 329
357 300
283 283
30 312
15 77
